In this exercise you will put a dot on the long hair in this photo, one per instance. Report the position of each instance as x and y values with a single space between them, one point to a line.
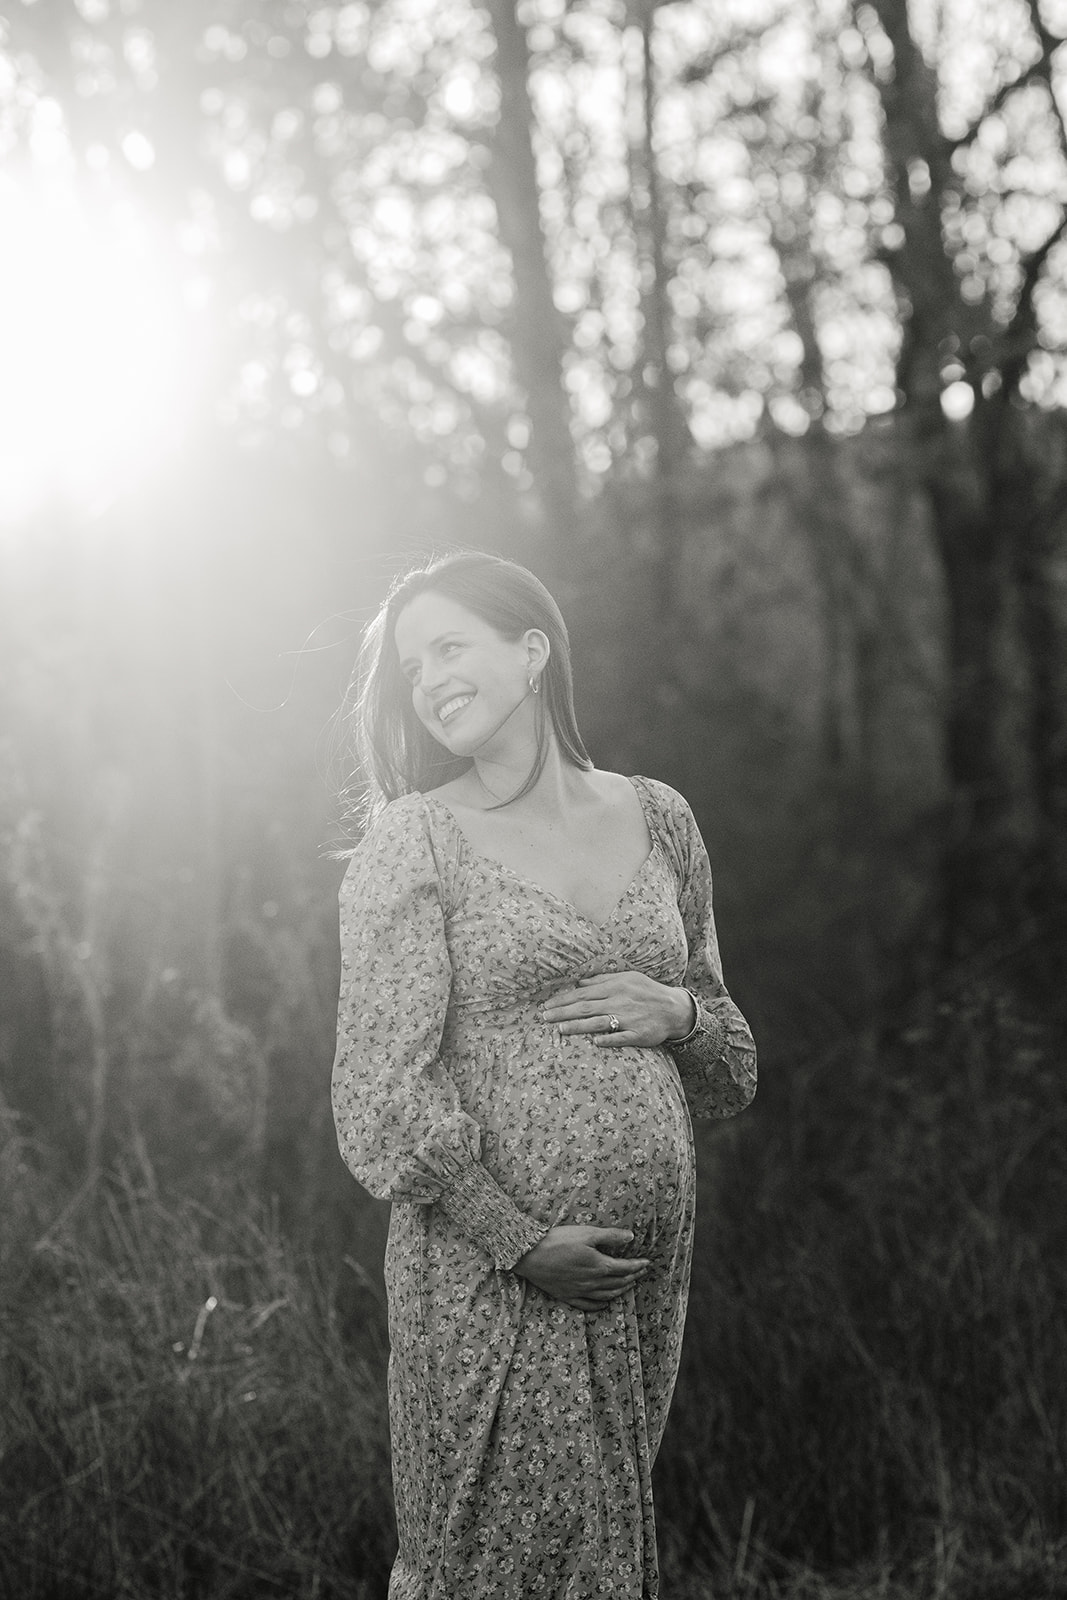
387 751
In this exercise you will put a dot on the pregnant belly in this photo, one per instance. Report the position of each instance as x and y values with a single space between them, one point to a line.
575 1132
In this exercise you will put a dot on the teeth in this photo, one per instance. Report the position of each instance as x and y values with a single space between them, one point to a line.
450 707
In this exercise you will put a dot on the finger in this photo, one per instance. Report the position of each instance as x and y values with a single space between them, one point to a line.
565 997
590 990
572 1014
604 1297
615 1279
583 1006
609 1291
623 1037
587 1024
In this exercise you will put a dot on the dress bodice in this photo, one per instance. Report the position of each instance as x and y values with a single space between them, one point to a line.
512 942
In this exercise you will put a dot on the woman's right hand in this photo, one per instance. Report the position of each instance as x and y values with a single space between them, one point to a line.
573 1263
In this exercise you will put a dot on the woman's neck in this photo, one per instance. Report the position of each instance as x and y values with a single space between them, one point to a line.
559 784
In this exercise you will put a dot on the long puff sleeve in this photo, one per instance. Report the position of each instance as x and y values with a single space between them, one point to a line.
718 1068
400 1125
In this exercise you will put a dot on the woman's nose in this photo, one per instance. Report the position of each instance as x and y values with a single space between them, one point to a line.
432 677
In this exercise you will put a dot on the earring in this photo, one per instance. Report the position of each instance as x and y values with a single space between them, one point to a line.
535 684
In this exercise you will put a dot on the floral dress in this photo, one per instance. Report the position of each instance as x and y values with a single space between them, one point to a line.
523 1430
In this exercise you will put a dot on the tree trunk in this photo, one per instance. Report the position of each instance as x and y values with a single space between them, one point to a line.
1041 584
980 492
537 336
656 694
669 427
982 862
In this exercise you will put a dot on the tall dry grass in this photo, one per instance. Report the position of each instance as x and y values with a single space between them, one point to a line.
185 1413
873 1400
875 1371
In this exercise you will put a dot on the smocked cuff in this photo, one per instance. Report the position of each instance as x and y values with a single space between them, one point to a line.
478 1206
717 1066
706 1040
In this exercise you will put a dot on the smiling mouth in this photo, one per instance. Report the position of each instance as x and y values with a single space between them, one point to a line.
453 707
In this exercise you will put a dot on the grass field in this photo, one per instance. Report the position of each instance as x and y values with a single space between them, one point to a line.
873 1400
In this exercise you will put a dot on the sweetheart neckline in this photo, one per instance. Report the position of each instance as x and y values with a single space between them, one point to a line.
488 861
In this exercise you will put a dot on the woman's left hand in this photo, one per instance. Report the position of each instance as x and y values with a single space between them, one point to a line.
648 1013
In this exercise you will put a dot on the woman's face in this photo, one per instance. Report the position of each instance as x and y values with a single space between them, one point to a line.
468 683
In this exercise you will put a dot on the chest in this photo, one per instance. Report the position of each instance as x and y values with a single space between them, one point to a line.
511 938
589 867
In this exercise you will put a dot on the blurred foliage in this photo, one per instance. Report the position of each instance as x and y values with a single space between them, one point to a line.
337 180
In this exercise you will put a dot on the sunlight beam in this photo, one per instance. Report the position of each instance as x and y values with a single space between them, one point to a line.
94 367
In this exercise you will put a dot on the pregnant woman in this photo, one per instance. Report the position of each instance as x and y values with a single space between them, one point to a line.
531 1008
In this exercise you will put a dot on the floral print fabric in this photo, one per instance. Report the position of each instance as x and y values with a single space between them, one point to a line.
523 1431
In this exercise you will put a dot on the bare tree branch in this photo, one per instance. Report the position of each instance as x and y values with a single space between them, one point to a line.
1043 68
1018 339
702 68
997 103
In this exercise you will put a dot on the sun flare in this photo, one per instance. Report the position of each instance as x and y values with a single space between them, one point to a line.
94 363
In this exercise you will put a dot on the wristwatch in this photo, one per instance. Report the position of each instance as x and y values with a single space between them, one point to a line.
707 1031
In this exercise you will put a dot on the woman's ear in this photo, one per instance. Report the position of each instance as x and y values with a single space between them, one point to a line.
538 649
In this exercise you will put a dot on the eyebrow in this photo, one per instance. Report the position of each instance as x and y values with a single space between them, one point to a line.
450 633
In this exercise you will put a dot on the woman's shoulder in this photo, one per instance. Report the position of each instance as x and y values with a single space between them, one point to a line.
671 820
616 789
393 828
406 810
411 845
668 802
